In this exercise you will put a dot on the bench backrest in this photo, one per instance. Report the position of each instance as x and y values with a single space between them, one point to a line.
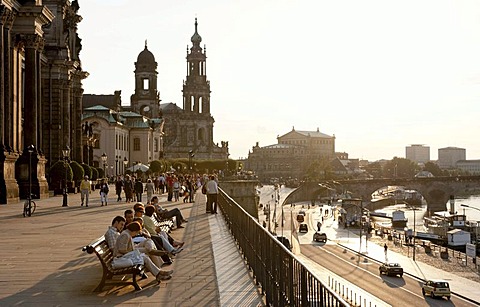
103 252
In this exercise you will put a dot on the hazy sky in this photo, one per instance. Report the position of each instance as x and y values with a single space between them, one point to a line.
379 75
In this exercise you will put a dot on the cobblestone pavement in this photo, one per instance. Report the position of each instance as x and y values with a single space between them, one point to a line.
453 264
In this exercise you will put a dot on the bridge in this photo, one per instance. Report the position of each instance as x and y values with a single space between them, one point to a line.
436 190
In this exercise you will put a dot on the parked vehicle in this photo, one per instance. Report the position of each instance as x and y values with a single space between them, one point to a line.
436 288
300 218
320 237
391 269
303 228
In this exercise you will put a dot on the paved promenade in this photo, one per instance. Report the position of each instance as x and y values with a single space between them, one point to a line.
41 262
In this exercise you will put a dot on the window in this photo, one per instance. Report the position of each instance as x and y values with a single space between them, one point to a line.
146 84
155 144
136 144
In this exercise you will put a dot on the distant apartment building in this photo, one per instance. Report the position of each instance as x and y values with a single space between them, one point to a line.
418 153
449 156
472 167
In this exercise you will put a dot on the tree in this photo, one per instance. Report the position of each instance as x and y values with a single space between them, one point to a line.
78 172
94 173
433 168
58 171
400 168
156 166
374 169
87 170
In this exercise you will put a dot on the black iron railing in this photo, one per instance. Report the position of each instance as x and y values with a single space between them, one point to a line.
283 279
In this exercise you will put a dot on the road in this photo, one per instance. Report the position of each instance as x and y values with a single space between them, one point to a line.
359 271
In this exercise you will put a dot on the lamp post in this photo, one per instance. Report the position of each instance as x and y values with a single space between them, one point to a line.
30 149
66 155
125 163
191 154
88 132
117 158
104 160
414 229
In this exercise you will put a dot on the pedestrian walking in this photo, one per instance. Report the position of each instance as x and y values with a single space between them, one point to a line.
385 247
85 187
119 188
319 225
104 192
149 188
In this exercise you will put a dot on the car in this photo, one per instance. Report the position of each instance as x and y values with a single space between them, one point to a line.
391 269
300 218
285 242
303 228
436 288
320 237
301 212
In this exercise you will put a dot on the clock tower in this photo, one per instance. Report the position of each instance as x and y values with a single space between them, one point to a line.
146 100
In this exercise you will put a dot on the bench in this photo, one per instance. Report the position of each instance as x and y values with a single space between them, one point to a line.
105 255
163 223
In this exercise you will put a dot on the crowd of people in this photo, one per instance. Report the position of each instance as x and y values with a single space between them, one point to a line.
135 237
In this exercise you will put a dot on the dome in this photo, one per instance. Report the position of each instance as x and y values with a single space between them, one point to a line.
196 38
145 57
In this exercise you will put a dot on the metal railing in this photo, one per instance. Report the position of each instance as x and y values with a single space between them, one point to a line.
283 279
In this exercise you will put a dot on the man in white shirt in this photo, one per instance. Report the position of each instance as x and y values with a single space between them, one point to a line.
212 193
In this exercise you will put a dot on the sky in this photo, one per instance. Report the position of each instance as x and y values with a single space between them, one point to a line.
379 75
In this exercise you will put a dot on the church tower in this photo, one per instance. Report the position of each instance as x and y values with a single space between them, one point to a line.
196 88
146 100
190 129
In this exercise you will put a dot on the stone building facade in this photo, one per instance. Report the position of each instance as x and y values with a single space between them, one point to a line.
291 156
190 128
40 89
147 130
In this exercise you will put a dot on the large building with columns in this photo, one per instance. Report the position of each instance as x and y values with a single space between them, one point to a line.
40 92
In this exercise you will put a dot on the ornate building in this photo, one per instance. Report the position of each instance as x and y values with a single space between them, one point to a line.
147 130
191 128
295 151
40 87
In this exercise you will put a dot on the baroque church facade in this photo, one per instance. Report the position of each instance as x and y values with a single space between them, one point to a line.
147 129
40 92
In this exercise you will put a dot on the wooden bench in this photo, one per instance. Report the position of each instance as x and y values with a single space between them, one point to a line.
163 223
105 255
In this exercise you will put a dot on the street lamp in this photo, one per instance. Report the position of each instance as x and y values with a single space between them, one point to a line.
117 158
414 229
125 163
88 132
30 149
104 160
66 155
190 157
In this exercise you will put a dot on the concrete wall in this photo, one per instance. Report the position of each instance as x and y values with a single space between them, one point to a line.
244 193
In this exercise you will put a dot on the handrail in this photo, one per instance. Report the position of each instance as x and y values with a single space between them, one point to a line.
283 279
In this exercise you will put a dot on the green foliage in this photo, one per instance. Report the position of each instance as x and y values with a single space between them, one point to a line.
58 171
101 173
156 166
433 168
78 172
87 170
400 168
95 174
374 169
319 169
